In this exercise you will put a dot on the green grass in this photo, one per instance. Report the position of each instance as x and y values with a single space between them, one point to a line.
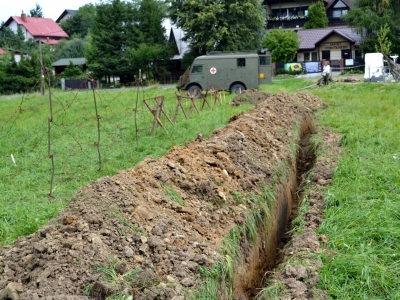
362 218
25 185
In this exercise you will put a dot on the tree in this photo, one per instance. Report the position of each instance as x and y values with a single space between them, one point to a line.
367 17
37 11
8 39
80 23
384 44
149 20
220 25
69 49
72 71
316 17
282 43
111 34
151 59
154 51
118 35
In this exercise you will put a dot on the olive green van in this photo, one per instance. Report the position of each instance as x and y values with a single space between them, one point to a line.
227 71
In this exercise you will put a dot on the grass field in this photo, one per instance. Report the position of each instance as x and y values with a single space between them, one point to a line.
362 218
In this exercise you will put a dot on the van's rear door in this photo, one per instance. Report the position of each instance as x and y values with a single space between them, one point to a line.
264 69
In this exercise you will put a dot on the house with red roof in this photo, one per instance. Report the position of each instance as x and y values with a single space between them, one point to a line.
44 29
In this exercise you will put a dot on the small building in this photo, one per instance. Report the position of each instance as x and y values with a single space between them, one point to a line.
66 14
44 29
60 65
328 44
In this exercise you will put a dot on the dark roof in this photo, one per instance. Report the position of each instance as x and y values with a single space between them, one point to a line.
66 12
309 38
39 27
79 61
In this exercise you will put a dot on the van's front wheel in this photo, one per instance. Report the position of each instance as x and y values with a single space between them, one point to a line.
195 91
237 88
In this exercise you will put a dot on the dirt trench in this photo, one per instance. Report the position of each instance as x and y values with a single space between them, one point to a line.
148 232
253 273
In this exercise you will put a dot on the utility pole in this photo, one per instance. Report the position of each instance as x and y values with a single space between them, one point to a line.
41 68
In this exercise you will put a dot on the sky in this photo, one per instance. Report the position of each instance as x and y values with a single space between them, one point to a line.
50 8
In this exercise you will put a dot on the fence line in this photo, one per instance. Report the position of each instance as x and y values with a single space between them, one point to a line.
71 119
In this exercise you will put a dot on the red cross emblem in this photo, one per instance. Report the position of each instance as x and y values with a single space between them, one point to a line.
213 70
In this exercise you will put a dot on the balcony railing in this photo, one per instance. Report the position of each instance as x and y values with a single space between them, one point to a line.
297 22
288 22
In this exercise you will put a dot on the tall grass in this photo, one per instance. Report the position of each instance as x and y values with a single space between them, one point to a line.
24 186
362 217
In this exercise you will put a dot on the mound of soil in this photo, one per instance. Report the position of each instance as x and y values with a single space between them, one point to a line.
146 231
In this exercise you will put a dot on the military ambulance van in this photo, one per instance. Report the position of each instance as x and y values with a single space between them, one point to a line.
227 71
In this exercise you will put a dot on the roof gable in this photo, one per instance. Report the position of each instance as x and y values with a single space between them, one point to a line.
341 3
176 36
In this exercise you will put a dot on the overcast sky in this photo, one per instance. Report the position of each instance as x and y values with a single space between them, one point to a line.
51 8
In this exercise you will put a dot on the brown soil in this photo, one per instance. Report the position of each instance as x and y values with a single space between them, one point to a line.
132 226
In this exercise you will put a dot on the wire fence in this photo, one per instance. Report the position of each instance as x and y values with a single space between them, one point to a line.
84 130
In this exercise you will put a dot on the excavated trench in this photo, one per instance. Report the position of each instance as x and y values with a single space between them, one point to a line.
265 255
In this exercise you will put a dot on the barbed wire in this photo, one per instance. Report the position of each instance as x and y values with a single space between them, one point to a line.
27 147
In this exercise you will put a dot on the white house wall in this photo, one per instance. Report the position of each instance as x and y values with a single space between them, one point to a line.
14 27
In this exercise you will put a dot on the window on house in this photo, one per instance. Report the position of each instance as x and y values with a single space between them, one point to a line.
339 13
311 56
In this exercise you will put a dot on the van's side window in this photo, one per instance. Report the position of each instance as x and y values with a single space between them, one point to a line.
241 62
197 69
265 60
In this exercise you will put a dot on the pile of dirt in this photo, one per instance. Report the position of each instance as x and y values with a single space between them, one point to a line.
249 97
146 231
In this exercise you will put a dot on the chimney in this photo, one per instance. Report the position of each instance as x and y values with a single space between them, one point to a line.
23 16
